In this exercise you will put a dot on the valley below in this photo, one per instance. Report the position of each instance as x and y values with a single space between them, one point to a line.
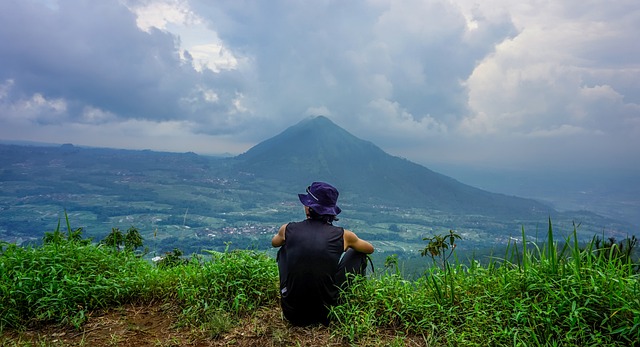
194 203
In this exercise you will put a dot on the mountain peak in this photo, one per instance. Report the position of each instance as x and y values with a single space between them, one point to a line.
313 149
316 149
316 121
316 125
309 139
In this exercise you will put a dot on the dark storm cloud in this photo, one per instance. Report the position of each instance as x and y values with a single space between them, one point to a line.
495 82
344 55
91 53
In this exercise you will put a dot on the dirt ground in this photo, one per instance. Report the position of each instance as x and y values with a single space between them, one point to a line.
138 326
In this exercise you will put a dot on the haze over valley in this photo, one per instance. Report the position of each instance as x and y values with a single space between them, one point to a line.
196 202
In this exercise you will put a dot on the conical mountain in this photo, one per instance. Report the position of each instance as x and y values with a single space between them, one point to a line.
316 149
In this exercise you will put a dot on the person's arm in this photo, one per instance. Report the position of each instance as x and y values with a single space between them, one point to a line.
351 240
278 239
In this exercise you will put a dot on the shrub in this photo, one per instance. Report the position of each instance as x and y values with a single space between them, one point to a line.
62 281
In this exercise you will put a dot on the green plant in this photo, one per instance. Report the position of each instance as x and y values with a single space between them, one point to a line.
57 236
130 241
235 282
440 247
115 239
63 280
539 294
391 263
172 259
217 323
133 240
621 251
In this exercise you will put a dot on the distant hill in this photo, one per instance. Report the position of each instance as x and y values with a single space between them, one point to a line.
317 149
180 194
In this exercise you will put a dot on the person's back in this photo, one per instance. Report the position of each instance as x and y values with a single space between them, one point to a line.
315 257
312 253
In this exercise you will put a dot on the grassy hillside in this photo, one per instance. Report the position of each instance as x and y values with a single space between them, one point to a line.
540 295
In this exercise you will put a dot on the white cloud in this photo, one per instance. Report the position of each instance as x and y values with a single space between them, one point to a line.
35 109
212 56
545 80
204 47
386 116
200 95
560 131
155 14
318 111
93 115
238 103
5 87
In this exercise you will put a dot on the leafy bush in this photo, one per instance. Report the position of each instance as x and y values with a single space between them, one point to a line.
229 284
171 259
536 295
62 281
129 241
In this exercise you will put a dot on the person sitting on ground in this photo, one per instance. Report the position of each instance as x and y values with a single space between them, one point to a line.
315 257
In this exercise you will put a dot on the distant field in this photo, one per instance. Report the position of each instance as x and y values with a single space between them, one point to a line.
189 202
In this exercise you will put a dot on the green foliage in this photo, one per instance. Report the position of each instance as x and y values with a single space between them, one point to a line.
172 259
440 247
236 283
540 295
547 294
58 236
391 263
130 241
62 281
621 251
115 239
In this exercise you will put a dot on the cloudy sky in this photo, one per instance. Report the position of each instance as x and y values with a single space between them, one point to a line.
528 84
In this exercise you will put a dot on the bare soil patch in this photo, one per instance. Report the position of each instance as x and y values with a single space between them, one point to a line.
153 325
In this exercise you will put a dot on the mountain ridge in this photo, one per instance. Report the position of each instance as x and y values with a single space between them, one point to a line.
152 189
316 149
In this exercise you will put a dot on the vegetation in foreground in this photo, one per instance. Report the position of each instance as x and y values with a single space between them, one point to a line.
555 294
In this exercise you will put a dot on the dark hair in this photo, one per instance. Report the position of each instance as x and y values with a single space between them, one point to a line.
327 218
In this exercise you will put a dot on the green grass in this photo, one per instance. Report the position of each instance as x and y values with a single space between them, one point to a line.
552 294
212 292
535 296
61 282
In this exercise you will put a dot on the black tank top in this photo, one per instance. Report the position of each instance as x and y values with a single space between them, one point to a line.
312 249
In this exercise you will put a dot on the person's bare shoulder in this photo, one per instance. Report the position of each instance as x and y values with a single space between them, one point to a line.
351 240
279 238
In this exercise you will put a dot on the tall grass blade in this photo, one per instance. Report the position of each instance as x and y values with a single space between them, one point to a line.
552 255
577 259
525 260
